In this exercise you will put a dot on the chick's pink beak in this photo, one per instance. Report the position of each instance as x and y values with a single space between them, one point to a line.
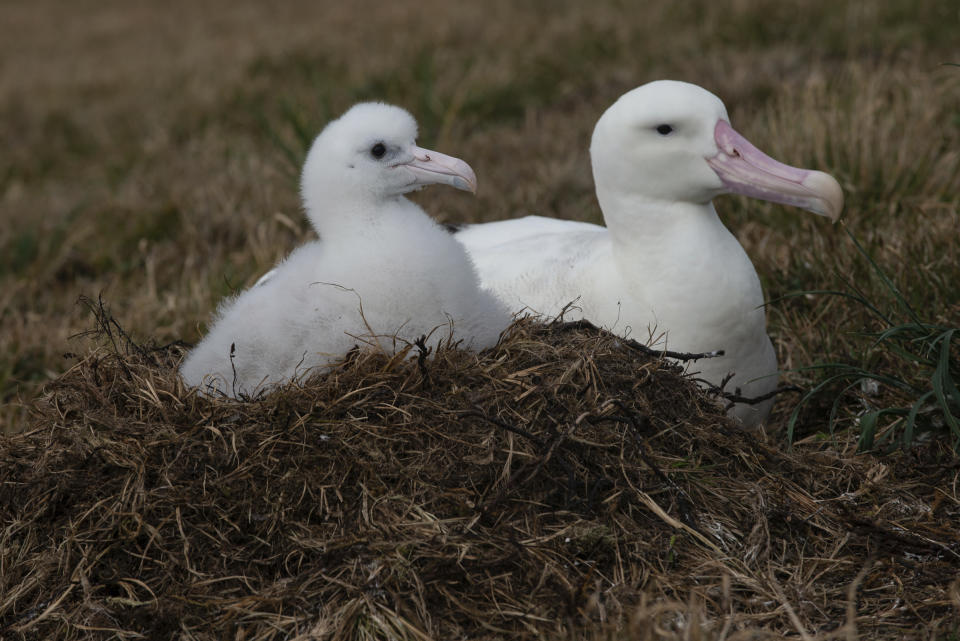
431 167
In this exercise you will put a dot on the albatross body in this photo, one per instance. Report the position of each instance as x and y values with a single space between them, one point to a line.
664 268
382 274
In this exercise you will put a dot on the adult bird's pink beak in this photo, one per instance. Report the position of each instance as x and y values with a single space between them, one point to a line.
431 167
746 170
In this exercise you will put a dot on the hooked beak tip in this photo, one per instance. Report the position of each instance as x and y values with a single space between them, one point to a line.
467 185
830 192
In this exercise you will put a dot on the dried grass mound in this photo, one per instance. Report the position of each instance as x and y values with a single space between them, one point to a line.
562 484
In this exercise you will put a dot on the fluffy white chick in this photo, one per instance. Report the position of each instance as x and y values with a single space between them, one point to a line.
382 274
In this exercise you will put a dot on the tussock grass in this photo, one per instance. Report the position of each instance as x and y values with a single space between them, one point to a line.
910 365
557 485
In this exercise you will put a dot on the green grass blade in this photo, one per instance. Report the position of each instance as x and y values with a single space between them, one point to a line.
850 371
831 423
868 427
886 281
833 292
943 384
911 422
795 414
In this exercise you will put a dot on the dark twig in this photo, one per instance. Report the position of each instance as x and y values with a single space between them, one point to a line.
551 452
166 346
564 326
552 448
504 425
423 353
893 537
753 400
639 426
233 353
732 397
108 326
736 397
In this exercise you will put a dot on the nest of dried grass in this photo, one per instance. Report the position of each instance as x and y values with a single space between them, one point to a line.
562 484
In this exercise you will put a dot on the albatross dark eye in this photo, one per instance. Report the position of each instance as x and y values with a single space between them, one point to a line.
664 130
378 150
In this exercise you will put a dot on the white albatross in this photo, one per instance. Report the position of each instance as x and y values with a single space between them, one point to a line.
664 263
382 274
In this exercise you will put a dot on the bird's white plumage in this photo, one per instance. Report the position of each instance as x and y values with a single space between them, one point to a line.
664 267
382 274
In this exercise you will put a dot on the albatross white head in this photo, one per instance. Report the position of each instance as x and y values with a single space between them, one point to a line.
368 157
671 142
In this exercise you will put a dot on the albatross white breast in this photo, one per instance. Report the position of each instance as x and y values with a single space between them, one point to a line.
382 274
664 263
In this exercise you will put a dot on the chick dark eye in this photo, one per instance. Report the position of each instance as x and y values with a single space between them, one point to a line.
378 150
664 130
